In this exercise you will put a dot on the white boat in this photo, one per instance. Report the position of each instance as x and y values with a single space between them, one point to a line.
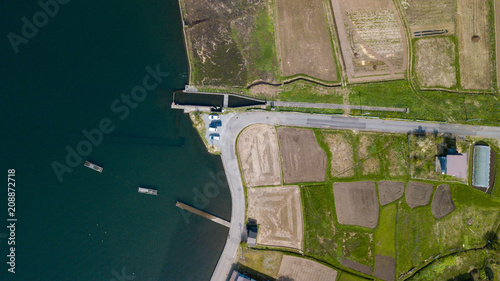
93 166
147 191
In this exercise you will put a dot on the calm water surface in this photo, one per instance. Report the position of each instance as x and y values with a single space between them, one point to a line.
94 226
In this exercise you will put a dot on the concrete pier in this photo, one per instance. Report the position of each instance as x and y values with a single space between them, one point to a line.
226 101
203 214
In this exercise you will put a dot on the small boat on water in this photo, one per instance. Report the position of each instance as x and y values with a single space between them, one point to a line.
93 166
147 191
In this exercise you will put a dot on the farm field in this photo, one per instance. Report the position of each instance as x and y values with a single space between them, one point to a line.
305 270
303 159
372 39
266 262
258 153
278 212
305 39
356 203
421 237
229 43
365 154
435 62
431 15
474 44
378 225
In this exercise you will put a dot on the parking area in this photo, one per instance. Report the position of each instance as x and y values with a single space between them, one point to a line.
220 129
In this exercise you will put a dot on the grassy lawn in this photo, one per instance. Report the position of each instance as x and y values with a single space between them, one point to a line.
385 232
319 222
324 238
263 43
427 105
420 237
455 265
267 262
304 91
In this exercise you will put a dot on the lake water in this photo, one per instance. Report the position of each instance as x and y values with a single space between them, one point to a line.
69 77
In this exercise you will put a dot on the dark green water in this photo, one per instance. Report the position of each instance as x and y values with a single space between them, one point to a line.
94 226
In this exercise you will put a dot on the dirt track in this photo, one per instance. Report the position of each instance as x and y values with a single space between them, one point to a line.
390 191
259 155
304 39
418 193
442 203
303 159
356 203
278 211
300 269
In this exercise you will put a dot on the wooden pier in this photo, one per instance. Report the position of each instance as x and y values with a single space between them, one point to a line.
203 214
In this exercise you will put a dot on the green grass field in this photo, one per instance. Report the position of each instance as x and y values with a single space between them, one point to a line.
385 243
427 105
390 151
420 237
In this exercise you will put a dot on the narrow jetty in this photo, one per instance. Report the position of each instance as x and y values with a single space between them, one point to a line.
203 214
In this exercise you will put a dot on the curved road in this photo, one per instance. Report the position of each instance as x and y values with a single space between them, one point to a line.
237 122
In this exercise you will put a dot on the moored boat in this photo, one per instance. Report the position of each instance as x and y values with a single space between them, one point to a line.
93 166
147 191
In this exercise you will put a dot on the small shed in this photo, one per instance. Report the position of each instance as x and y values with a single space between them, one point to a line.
481 168
456 165
252 236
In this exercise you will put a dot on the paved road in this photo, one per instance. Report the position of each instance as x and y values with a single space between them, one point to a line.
236 122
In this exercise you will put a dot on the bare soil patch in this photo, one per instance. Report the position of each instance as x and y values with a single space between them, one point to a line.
370 163
303 159
418 193
371 37
442 202
435 62
390 191
259 155
304 39
475 60
357 266
385 268
278 212
356 203
300 269
342 161
265 90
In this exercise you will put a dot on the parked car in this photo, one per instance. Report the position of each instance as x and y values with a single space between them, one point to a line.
214 136
213 116
212 129
216 123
